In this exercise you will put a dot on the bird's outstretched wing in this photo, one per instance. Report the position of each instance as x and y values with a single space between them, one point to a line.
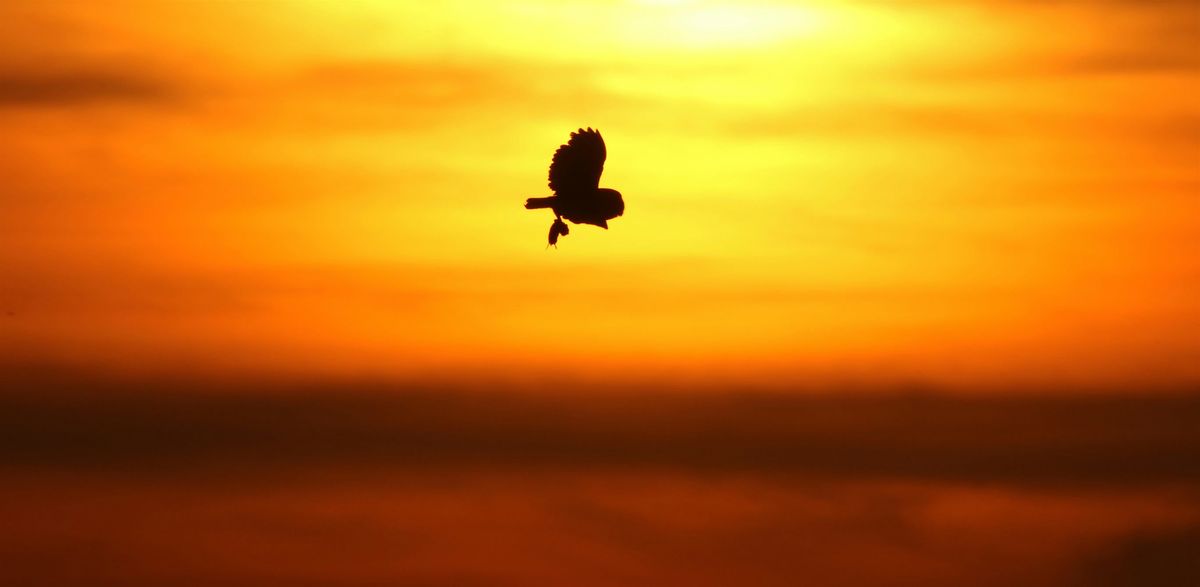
577 165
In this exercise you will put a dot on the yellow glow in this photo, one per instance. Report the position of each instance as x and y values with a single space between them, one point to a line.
721 24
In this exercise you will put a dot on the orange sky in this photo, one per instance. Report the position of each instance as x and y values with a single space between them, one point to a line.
265 265
976 195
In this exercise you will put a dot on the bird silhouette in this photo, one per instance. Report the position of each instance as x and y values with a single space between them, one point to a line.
575 178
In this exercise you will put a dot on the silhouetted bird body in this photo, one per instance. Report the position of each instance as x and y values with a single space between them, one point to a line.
575 178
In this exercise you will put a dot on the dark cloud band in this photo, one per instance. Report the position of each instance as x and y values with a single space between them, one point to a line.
1056 440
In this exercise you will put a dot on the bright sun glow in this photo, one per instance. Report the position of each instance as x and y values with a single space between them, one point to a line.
697 24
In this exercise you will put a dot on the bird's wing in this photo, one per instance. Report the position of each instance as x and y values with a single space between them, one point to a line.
577 165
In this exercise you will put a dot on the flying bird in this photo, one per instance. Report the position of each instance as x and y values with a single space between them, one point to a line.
575 178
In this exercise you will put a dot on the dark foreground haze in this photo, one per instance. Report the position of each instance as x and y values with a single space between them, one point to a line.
159 483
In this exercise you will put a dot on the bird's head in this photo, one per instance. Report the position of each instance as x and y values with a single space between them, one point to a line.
614 205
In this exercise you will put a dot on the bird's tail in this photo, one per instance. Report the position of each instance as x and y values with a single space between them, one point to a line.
535 203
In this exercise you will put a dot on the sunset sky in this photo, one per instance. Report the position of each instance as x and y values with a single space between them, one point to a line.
905 293
943 193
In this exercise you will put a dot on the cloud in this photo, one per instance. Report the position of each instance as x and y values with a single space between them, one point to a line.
1150 59
78 84
107 426
391 94
1148 559
873 119
411 83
